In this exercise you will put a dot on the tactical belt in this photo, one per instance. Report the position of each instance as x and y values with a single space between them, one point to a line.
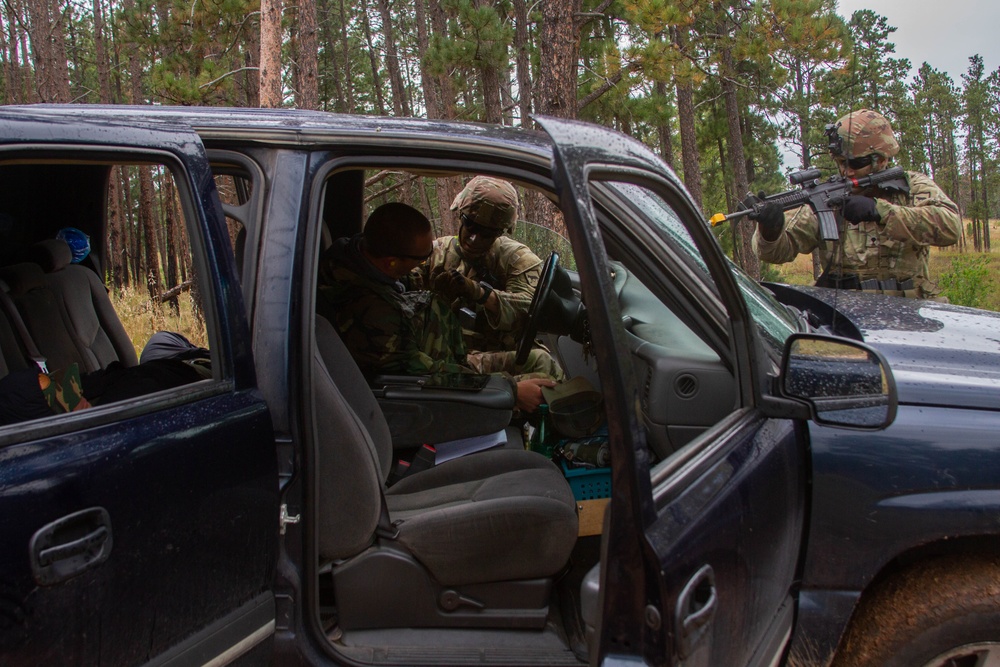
852 281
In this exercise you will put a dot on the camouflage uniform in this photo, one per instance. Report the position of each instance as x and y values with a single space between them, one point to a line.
390 329
511 269
897 246
508 266
386 328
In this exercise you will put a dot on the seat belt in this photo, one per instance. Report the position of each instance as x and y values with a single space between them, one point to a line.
22 331
385 528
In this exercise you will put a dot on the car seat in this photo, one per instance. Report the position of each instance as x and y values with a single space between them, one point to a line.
473 542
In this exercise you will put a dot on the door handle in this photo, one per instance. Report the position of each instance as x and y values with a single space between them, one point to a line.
696 606
68 546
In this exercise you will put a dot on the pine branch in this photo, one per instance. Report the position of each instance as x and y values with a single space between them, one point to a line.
608 84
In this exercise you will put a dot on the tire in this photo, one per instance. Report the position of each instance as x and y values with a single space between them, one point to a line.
940 613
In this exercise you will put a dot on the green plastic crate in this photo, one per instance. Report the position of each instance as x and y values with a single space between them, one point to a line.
588 483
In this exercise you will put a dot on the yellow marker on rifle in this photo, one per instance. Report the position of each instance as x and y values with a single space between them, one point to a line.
720 218
717 219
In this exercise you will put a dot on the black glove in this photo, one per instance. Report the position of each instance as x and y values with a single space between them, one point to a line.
859 209
770 219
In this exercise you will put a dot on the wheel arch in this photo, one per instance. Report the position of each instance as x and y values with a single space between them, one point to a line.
922 567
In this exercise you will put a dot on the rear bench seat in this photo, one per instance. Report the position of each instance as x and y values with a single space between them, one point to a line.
12 357
67 311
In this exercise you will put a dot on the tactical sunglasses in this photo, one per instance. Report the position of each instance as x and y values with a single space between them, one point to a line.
417 258
480 230
857 163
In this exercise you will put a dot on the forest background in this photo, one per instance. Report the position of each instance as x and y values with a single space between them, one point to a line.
714 86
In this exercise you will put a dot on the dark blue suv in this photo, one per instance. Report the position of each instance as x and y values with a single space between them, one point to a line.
798 476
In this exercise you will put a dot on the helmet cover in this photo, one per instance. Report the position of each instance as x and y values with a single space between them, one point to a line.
866 132
489 202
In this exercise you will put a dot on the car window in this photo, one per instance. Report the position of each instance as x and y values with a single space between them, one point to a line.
773 321
539 223
653 208
666 296
94 281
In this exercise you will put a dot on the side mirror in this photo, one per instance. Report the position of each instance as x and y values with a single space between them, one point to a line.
845 383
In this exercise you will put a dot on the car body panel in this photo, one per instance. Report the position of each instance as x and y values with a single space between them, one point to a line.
941 354
188 540
918 486
926 484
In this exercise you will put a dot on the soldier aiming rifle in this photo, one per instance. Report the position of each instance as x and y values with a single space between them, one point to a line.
890 217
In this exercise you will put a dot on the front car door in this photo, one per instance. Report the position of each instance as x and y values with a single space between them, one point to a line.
706 516
143 530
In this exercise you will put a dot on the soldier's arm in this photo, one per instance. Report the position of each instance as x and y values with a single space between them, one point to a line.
507 308
929 217
800 236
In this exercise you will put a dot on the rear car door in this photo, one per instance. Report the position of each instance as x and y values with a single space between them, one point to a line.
702 544
142 530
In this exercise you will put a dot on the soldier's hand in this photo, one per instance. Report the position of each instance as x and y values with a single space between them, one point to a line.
857 208
770 218
453 285
529 393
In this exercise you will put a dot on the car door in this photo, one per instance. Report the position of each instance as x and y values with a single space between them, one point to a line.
702 546
142 531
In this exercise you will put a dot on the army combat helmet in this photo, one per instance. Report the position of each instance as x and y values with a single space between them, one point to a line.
487 202
860 134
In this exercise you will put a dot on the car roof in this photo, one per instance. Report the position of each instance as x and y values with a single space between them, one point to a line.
302 127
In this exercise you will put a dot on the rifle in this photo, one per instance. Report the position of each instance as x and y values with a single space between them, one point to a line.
822 196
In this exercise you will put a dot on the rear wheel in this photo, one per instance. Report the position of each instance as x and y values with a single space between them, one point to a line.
941 613
984 654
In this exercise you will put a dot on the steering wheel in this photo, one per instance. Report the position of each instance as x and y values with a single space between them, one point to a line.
535 309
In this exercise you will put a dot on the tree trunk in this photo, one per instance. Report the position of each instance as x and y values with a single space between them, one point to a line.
686 122
48 49
30 78
308 56
663 132
373 59
446 87
557 82
170 244
115 247
400 104
984 200
522 48
743 229
101 51
431 98
10 86
345 51
270 54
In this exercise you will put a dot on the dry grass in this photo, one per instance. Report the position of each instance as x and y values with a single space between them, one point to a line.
799 272
142 318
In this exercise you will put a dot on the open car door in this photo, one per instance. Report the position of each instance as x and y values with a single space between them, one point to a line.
701 542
